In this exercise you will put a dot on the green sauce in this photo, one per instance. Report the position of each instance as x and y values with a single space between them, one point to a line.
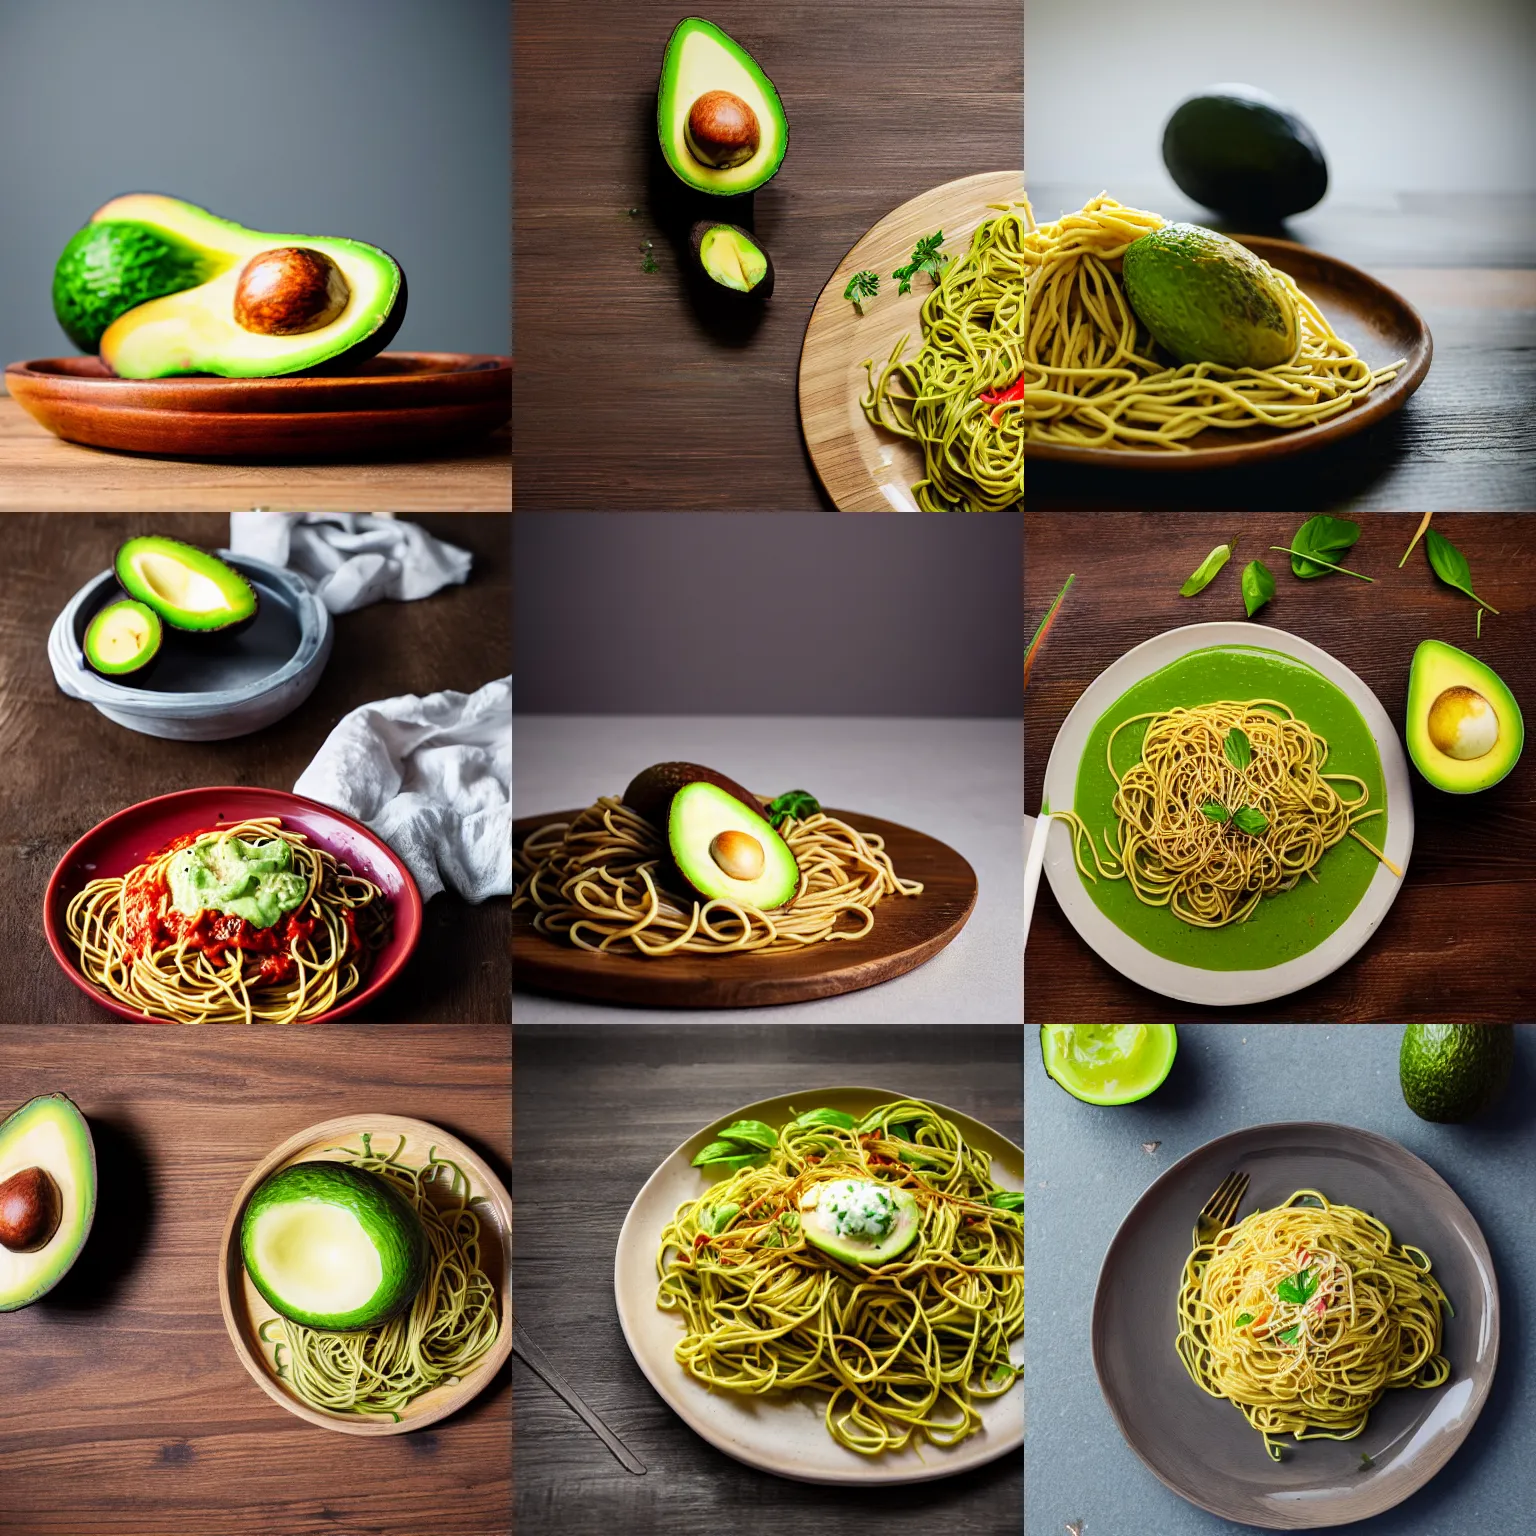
1282 926
224 873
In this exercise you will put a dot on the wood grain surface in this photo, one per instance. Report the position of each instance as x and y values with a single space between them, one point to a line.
41 473
1453 945
630 391
907 931
607 1106
124 1410
67 767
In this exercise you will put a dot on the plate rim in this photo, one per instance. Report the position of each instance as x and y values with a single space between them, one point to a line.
1347 1132
857 1475
1194 984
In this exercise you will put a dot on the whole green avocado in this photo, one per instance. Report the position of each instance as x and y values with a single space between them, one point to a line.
1451 1072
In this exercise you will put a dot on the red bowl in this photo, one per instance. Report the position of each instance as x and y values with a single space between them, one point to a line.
131 836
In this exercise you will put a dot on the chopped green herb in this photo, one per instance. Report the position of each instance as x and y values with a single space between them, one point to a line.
1007 1199
1450 565
1366 1462
1251 820
1243 1319
861 286
648 261
1205 573
1236 747
1215 811
1298 1289
1290 1335
1258 586
926 257
796 803
716 1218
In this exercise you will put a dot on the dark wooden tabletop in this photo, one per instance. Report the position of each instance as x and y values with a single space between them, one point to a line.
598 1108
628 393
66 767
1456 943
124 1410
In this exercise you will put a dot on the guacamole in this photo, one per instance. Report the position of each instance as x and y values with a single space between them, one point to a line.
224 873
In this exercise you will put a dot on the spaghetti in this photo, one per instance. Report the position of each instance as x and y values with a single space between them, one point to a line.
903 1351
216 967
1226 804
451 1324
1030 338
1305 1315
595 882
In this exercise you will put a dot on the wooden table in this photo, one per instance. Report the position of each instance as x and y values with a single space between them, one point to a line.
1455 945
68 767
124 1410
597 1110
627 393
42 473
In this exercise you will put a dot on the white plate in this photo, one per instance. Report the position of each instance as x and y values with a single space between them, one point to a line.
1191 983
786 1433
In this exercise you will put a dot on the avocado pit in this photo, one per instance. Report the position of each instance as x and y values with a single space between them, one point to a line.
1463 724
738 853
30 1208
722 130
288 291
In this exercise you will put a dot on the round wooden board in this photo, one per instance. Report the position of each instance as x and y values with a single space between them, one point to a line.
245 1309
863 469
907 931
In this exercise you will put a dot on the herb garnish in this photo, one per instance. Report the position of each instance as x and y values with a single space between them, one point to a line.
1317 545
1215 811
1243 1319
796 803
926 257
1007 1199
1236 747
1205 573
861 286
1258 586
1298 1289
1450 565
1251 820
1290 1335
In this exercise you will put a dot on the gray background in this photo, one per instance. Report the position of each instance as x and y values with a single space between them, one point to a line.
800 614
380 120
1087 1167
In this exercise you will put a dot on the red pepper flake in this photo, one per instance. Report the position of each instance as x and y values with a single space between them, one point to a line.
1002 397
700 1240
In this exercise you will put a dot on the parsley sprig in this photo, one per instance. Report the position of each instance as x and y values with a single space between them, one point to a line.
926 257
861 286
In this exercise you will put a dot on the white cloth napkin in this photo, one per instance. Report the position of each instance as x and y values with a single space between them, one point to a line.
433 777
351 558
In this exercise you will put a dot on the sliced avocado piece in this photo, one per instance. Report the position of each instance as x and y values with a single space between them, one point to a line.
47 1197
1108 1063
1239 151
124 637
1464 729
164 287
186 586
1451 1072
649 794
859 1221
332 1246
731 258
1207 299
721 124
728 852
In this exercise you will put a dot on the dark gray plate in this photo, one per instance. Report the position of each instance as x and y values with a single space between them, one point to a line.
1201 1446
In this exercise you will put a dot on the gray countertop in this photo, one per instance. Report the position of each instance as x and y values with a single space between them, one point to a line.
960 781
1087 1166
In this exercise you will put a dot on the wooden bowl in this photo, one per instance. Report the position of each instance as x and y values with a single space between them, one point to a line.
246 1310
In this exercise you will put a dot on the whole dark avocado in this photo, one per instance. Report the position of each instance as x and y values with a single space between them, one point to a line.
1238 151
649 794
1451 1072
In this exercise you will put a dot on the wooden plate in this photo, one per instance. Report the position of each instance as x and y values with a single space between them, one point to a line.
245 1309
907 931
862 468
786 1434
399 402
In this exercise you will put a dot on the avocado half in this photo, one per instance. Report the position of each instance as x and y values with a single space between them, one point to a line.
162 287
732 259
1464 728
185 586
123 639
1109 1064
47 1197
720 121
821 1230
333 1247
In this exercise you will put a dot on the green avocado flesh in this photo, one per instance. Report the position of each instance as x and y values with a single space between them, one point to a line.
333 1247
225 873
163 287
859 1221
1451 1072
701 59
1464 729
727 852
731 257
1288 923
47 1134
124 637
186 586
1108 1063
1207 299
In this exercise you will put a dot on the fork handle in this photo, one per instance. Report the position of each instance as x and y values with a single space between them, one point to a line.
538 1362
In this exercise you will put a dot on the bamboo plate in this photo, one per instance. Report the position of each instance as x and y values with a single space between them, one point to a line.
907 931
861 468
245 1309
786 1433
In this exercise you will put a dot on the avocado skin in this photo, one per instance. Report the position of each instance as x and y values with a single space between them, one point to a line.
1239 152
1207 299
764 288
171 616
134 675
1451 1072
649 794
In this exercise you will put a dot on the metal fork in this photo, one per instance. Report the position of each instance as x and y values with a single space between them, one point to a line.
1217 1212
538 1362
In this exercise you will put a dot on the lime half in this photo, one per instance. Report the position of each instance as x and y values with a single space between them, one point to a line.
1108 1063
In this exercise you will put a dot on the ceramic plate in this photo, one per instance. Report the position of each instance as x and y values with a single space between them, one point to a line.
1201 1446
117 844
245 1309
1171 978
786 1434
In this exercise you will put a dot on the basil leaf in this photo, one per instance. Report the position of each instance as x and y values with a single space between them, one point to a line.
826 1117
715 1151
1250 820
716 1218
722 1165
1324 536
798 803
900 1133
1205 573
1243 1319
1289 1336
1236 747
1007 1199
751 1133
1258 586
1298 1289
1215 812
1450 565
